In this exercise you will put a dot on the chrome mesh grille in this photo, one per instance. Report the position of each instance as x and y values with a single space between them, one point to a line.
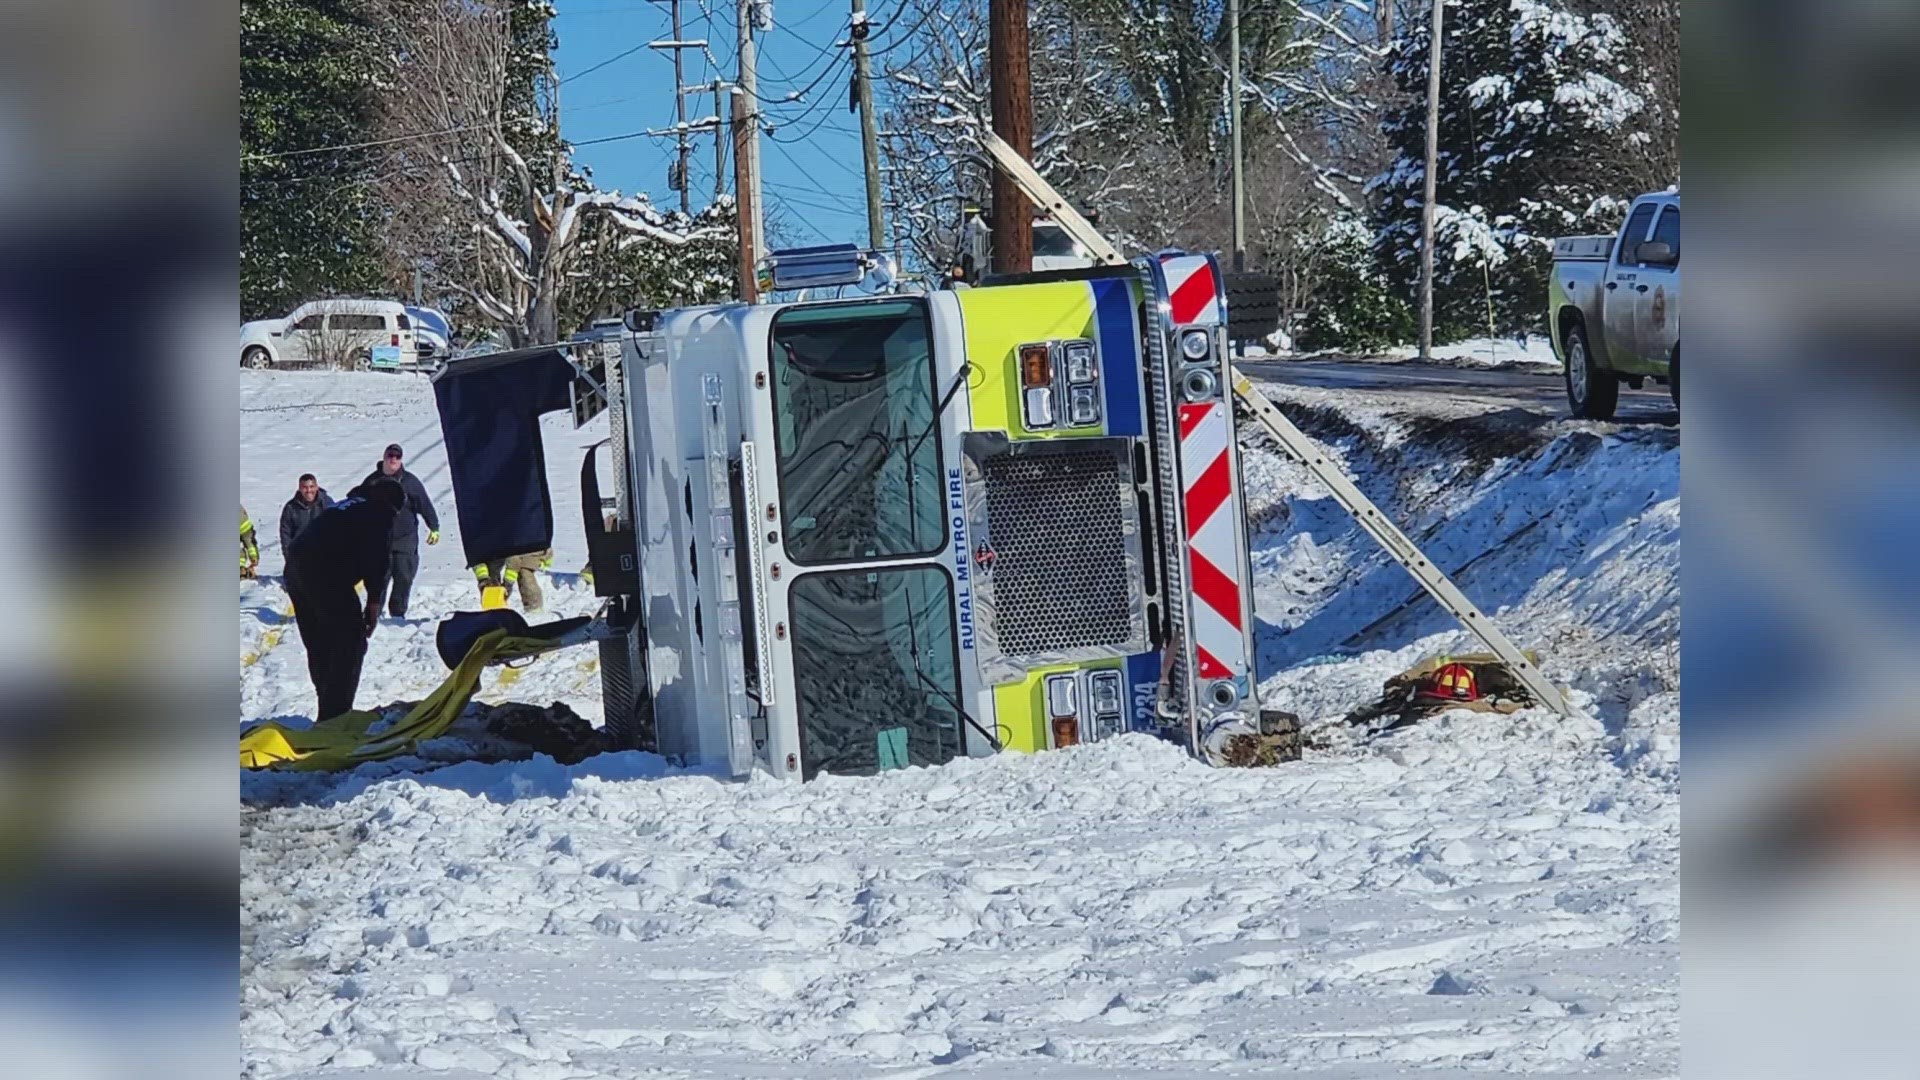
1057 524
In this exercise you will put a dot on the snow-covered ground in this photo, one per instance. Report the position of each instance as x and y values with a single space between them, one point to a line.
1474 895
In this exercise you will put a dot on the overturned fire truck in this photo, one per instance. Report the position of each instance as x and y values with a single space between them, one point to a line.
853 535
849 535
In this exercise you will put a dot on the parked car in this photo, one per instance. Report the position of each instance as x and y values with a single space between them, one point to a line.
360 334
1613 307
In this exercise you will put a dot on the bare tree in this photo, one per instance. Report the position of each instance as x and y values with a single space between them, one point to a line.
481 190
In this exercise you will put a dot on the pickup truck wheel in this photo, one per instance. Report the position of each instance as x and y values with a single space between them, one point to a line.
1591 394
256 358
363 361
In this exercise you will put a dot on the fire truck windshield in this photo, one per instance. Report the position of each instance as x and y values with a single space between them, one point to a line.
852 391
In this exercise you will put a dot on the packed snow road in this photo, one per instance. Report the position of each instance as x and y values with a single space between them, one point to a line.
1531 387
1475 895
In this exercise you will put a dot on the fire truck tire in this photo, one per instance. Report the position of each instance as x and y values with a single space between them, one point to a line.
1253 305
627 706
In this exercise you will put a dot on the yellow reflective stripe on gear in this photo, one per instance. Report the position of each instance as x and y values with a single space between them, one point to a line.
480 572
511 575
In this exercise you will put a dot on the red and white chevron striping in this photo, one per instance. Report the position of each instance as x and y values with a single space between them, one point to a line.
1194 288
1213 558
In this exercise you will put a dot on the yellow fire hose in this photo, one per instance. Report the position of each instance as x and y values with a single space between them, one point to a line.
343 741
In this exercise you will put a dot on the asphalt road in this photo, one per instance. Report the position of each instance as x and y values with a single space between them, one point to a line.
1541 392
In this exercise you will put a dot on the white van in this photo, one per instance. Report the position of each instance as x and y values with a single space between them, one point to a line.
365 335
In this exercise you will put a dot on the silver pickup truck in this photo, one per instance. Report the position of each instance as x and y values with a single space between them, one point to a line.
1613 307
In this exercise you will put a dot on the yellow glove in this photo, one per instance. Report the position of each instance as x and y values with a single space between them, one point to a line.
433 537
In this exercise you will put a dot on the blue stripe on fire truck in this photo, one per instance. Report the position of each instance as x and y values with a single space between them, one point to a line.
1143 686
1113 305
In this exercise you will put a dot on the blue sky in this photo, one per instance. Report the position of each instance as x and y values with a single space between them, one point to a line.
813 179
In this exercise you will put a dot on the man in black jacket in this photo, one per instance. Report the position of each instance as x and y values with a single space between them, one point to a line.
404 553
346 544
307 502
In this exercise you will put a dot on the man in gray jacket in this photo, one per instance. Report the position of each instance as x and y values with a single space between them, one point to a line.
404 558
306 504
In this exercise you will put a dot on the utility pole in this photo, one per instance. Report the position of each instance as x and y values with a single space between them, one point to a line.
746 143
869 142
1239 183
1012 98
719 140
680 115
1433 160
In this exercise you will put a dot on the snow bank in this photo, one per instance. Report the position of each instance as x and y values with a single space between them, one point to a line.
1485 893
1471 896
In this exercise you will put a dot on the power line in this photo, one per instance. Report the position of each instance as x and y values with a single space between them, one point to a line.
377 142
800 95
611 59
809 177
815 107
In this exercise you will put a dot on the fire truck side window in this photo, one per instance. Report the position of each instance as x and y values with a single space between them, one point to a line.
852 396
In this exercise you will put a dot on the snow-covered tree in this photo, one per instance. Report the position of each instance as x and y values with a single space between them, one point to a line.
1131 102
1091 135
481 189
1344 301
1543 111
309 224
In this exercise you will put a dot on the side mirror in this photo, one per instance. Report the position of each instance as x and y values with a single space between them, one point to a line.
1656 253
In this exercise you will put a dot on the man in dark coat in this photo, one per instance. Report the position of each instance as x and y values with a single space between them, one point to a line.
404 550
346 544
307 502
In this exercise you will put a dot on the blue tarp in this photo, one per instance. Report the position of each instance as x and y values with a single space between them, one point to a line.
490 408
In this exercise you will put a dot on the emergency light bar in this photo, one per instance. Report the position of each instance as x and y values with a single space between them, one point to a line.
814 267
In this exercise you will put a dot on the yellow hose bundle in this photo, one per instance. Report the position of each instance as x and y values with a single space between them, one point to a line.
342 742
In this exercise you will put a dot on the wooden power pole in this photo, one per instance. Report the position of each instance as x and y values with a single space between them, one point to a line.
1233 113
680 115
746 184
1433 161
869 141
1012 100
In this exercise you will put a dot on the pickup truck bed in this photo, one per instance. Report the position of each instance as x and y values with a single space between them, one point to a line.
1613 306
1583 248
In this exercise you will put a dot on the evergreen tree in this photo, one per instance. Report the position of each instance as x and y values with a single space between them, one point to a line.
308 221
1536 105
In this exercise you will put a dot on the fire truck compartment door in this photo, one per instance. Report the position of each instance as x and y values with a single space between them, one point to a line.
490 409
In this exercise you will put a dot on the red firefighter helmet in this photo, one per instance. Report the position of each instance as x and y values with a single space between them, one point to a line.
1452 682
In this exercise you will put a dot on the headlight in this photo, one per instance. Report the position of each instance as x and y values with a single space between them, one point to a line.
1083 406
1195 344
1080 365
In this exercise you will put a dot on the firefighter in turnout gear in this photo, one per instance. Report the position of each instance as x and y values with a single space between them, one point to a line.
249 546
497 578
347 543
